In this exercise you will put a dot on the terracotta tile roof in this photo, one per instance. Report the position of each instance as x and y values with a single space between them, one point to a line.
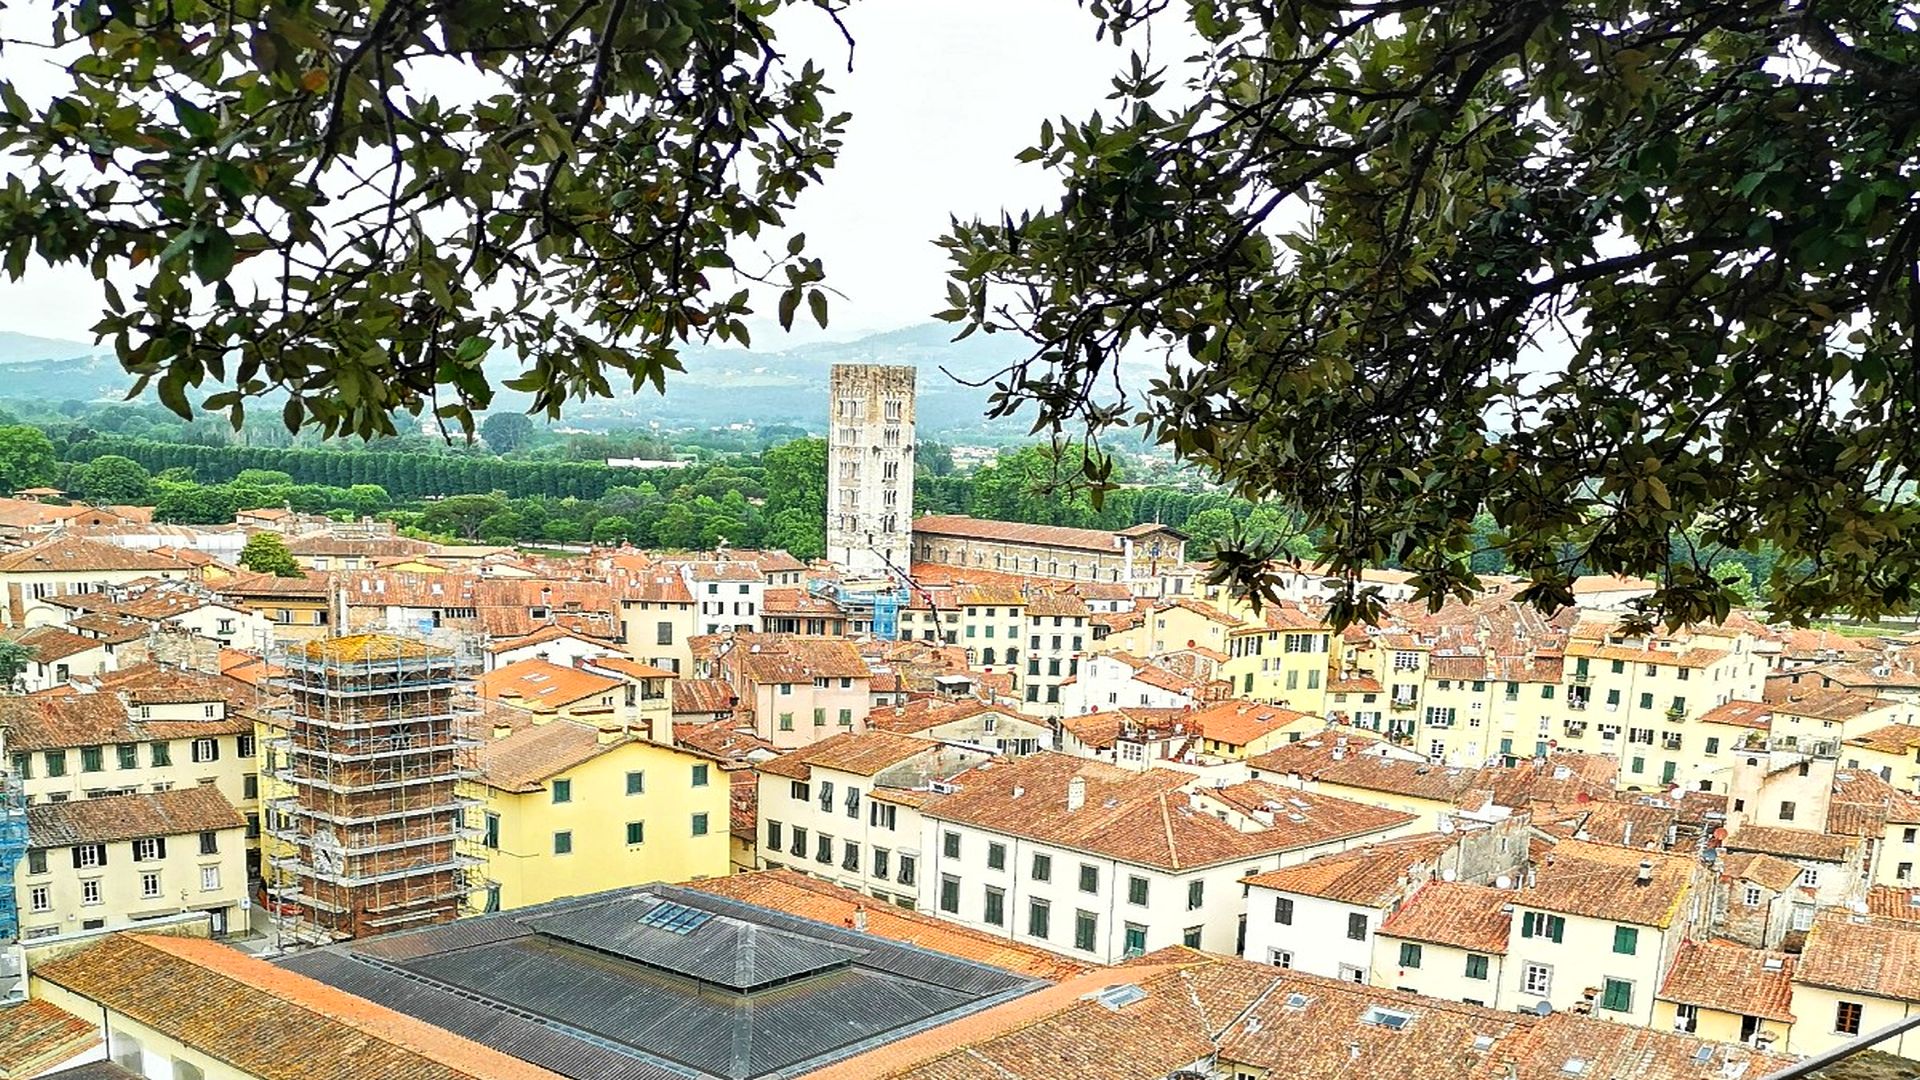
1890 902
1469 917
1792 843
1864 954
67 554
45 723
322 544
1355 684
1600 881
627 667
37 1034
1768 871
1588 584
1627 824
109 819
1144 817
536 683
1732 978
312 585
960 526
723 740
810 898
148 683
1901 739
1050 604
797 602
51 643
1373 875
924 714
527 758
1101 730
655 588
265 1021
1613 1050
780 658
112 629
703 696
1830 704
1756 715
861 753
1238 723
543 635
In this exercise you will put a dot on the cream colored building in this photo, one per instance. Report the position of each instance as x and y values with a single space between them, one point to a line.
113 861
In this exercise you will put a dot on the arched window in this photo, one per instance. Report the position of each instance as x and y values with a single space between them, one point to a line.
986 656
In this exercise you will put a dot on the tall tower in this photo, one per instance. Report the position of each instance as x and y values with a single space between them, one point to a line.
365 822
870 468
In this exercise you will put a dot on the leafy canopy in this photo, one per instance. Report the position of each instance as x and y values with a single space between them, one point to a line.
332 197
1623 275
266 553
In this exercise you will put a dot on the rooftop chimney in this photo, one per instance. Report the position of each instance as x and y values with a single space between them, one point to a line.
1076 793
1645 876
501 731
860 918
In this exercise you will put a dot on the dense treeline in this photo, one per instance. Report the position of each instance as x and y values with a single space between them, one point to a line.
403 475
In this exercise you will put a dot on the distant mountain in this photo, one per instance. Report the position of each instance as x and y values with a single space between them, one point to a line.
720 386
25 348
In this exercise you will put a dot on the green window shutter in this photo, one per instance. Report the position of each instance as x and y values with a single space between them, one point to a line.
1409 955
1626 940
1526 924
1556 928
1617 997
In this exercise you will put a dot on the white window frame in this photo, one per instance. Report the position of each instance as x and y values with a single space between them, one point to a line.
1536 979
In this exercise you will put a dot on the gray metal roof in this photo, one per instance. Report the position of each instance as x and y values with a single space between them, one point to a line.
724 950
616 987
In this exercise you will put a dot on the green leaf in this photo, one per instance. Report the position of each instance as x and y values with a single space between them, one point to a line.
213 256
817 303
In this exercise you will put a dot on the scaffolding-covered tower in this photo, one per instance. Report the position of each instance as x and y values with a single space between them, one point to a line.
366 825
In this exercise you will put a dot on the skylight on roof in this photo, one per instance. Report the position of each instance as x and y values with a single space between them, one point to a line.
1297 1001
1703 1055
675 918
1391 1019
1119 997
1773 963
1574 1066
1483 1043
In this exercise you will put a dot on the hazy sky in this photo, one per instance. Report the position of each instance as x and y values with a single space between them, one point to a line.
943 94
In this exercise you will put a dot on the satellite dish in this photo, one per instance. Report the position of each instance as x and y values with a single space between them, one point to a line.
1448 874
1446 825
1503 882
1543 1007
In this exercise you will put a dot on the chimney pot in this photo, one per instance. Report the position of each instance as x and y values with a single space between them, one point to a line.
1076 793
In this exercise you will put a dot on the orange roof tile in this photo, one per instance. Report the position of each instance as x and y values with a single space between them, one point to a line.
1471 917
1732 978
266 1021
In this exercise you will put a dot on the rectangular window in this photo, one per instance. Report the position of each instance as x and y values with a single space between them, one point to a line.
149 849
775 836
563 842
1086 927
994 912
1089 878
823 849
637 832
1038 918
90 891
23 766
881 857
1190 937
1846 1017
1616 995
1540 924
149 886
1042 867
161 753
636 783
209 843
1137 891
1626 940
1356 927
40 898
56 763
562 791
996 856
700 775
1476 966
205 750
37 861
1786 811
492 836
92 758
949 894
850 856
908 863
1136 940
1536 979
1409 955
1283 911
950 844
1196 894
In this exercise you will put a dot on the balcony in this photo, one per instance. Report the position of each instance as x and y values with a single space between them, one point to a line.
1577 704
1403 703
1676 714
1581 678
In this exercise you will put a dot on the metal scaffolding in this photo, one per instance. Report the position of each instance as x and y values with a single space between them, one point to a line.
13 848
367 820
